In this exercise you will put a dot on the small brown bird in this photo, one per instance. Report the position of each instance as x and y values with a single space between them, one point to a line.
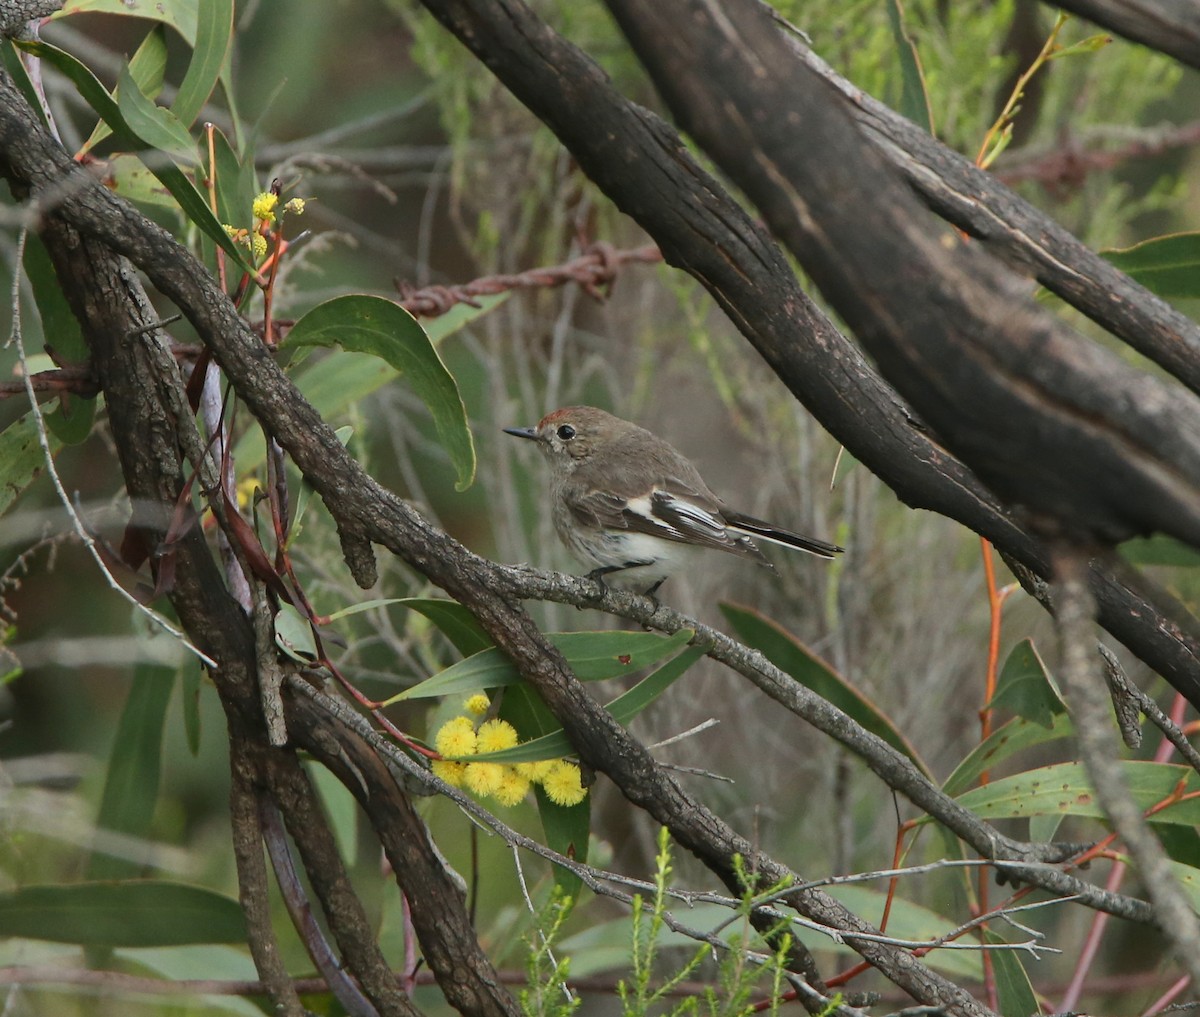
633 507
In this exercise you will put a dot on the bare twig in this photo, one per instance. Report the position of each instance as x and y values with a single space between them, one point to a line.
81 531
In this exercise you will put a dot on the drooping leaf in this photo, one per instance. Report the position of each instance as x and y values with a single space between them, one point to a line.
342 379
793 657
368 324
60 328
1013 988
342 810
1159 550
914 96
141 912
152 124
179 14
147 67
198 961
190 200
210 52
293 634
453 620
567 829
592 655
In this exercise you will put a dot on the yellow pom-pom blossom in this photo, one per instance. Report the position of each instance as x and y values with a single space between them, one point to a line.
535 773
564 784
264 206
451 772
483 778
494 735
513 787
295 206
477 704
456 738
258 245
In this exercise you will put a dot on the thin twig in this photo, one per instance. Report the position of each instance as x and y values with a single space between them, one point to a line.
48 455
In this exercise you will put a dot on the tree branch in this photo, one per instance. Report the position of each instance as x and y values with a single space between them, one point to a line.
1169 26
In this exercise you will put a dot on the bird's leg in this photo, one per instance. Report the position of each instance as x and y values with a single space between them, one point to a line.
606 570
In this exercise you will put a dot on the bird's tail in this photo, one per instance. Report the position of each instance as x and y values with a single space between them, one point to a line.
778 535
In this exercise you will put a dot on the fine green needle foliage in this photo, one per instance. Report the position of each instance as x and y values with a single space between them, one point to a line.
546 993
746 968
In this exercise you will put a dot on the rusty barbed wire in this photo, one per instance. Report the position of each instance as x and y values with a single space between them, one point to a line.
594 271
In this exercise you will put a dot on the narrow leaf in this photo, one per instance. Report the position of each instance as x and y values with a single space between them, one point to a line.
153 125
214 33
1168 266
133 913
914 96
1017 998
1159 550
453 620
21 458
147 67
1026 688
592 655
190 200
132 781
1005 741
793 657
623 709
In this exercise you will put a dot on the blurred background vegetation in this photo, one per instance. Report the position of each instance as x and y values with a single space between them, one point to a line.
421 169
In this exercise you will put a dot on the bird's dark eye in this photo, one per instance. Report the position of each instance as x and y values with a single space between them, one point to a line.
566 432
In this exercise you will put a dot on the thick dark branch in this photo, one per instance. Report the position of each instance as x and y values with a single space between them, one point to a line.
1052 422
645 170
1169 26
343 910
366 512
976 202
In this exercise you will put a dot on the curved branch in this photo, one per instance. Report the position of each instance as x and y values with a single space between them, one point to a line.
976 202
643 167
365 512
1169 26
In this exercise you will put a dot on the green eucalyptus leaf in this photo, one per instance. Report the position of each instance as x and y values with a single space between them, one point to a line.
362 323
147 67
592 655
623 709
21 458
135 913
210 53
1168 266
1013 988
132 779
1026 688
793 657
1007 740
1064 789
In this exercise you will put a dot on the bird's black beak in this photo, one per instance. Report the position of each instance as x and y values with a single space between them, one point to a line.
523 432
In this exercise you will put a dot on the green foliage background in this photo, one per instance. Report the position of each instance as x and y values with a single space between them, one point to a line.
423 169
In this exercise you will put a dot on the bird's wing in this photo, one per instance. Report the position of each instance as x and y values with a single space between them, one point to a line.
663 514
